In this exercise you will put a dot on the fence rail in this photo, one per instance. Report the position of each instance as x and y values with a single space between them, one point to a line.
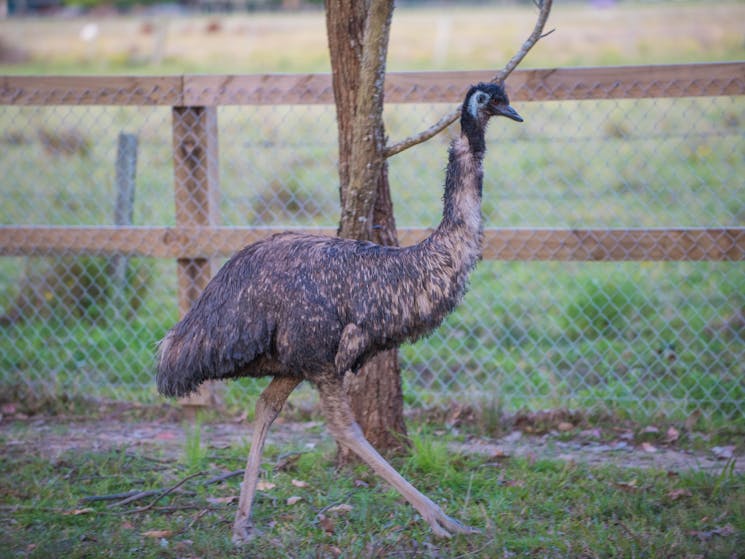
656 140
689 80
557 84
596 245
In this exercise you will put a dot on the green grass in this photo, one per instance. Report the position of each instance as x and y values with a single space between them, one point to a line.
527 509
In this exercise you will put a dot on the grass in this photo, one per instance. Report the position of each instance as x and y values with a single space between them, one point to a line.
525 508
472 37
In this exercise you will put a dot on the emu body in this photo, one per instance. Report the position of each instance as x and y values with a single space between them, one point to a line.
302 307
332 301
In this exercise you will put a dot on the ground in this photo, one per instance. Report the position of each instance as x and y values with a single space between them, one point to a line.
50 436
148 483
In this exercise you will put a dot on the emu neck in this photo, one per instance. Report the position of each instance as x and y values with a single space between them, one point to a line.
446 257
463 185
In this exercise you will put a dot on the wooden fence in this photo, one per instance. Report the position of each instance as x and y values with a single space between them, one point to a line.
197 237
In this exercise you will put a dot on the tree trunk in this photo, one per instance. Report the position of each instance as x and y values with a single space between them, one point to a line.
358 40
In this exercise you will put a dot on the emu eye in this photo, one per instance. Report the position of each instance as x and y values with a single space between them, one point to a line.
482 98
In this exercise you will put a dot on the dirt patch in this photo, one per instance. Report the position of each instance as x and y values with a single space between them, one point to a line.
49 437
620 452
52 436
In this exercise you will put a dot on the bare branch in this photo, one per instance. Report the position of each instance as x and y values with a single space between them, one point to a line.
424 135
162 493
449 118
534 37
223 477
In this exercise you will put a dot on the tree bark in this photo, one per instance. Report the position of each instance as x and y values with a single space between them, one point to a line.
358 34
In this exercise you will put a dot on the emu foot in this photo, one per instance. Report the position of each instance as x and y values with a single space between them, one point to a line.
244 532
444 526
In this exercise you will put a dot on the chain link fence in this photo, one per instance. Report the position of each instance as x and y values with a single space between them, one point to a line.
99 186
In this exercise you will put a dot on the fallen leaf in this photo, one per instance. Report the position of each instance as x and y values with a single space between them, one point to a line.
361 483
651 429
672 435
629 486
565 426
127 525
165 436
500 454
77 512
677 494
648 447
299 483
341 508
158 534
265 485
222 500
326 523
724 452
293 500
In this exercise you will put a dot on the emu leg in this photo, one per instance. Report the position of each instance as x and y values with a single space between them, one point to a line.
347 432
268 407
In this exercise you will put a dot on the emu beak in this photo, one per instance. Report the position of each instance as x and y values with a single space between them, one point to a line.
509 112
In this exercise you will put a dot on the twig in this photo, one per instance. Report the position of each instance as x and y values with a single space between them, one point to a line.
112 496
196 518
165 461
534 37
449 118
133 496
176 508
628 531
165 492
343 500
286 458
222 477
281 461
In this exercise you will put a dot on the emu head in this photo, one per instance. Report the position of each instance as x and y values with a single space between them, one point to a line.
484 101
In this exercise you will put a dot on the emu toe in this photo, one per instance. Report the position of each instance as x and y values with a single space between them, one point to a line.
444 526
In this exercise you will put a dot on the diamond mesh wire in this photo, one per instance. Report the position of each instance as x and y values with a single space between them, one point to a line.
633 337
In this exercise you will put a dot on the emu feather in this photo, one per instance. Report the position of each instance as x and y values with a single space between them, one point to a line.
301 307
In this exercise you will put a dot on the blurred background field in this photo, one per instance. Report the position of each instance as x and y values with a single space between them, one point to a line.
636 339
423 37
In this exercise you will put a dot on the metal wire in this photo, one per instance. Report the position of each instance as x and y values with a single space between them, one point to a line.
652 337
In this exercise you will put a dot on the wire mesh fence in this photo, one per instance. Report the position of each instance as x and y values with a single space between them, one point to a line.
613 276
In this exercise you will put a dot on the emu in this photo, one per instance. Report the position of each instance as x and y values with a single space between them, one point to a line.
301 307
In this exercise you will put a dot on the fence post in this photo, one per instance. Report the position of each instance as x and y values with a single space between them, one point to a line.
126 169
196 189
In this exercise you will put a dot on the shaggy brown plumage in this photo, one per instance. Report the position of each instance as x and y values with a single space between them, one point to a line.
302 307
